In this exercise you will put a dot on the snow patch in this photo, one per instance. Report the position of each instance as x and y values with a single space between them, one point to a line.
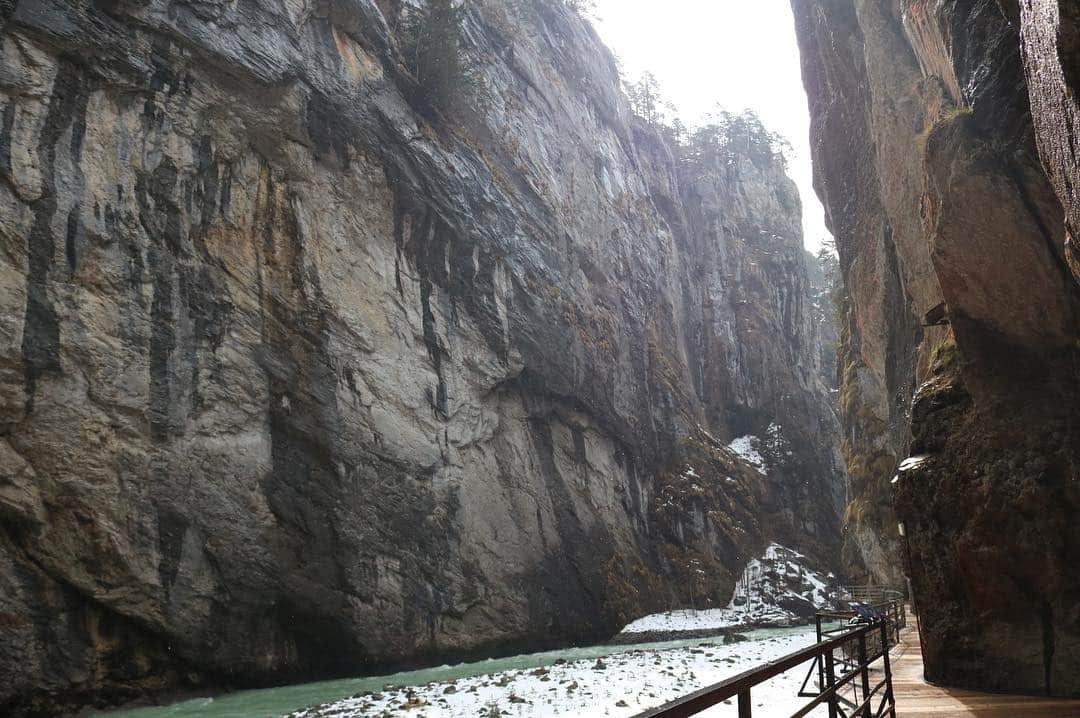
912 462
744 448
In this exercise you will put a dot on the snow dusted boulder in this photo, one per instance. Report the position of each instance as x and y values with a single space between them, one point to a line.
781 588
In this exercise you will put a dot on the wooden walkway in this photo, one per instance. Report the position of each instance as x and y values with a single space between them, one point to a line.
915 698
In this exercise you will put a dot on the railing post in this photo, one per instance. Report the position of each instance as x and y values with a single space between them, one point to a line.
888 673
820 669
830 673
864 665
744 704
890 623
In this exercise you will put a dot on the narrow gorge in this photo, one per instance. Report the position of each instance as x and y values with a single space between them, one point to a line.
343 337
304 375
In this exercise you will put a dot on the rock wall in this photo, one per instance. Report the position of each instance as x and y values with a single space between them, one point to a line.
943 140
300 378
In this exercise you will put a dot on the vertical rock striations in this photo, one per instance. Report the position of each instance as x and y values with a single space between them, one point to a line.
300 378
930 118
1051 51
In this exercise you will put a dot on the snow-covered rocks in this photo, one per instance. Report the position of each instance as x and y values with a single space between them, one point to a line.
777 589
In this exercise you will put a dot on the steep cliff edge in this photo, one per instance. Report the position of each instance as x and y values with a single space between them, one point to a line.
299 377
944 140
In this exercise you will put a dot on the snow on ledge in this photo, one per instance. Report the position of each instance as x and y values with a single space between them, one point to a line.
912 462
743 447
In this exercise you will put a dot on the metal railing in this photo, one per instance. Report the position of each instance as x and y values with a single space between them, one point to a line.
869 593
858 647
890 613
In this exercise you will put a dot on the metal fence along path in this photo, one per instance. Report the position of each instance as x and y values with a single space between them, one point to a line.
849 675
841 675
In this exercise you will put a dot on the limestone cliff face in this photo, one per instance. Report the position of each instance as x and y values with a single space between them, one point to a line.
299 378
945 148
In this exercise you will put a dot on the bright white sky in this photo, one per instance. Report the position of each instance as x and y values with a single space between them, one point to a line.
734 53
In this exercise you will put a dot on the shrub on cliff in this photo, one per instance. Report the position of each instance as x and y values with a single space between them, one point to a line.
433 45
727 136
581 7
648 104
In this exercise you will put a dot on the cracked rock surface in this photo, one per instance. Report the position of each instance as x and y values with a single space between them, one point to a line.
945 149
296 383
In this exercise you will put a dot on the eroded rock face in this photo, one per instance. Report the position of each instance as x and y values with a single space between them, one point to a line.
1051 51
295 382
955 201
872 219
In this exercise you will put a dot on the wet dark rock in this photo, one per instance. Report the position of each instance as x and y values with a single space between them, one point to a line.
945 137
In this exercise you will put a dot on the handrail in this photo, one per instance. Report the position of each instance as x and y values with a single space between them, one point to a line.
740 685
868 593
729 688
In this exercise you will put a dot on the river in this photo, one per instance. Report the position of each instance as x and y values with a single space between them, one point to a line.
274 702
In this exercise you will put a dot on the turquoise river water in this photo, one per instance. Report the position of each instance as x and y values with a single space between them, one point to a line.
276 702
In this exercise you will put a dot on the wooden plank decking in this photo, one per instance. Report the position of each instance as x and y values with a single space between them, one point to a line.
915 698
